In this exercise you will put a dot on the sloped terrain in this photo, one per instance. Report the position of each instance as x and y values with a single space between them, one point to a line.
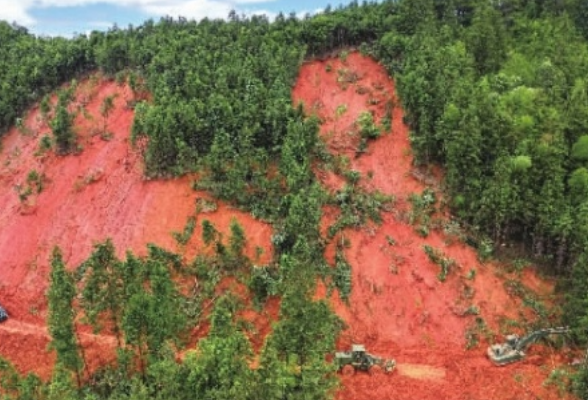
399 308
86 197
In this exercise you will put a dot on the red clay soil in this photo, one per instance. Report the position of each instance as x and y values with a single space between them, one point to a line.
87 197
398 307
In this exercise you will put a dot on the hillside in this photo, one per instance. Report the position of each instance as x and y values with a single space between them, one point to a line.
397 307
215 208
87 197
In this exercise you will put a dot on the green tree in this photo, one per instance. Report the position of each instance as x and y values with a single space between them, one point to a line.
237 240
62 126
220 368
103 291
106 108
486 38
61 386
61 317
153 314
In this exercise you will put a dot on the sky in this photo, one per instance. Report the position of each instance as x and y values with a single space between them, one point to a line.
68 17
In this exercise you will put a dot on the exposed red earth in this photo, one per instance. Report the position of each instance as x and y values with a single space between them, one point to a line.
88 197
398 307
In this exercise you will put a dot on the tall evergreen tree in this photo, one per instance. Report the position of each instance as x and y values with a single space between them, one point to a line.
61 317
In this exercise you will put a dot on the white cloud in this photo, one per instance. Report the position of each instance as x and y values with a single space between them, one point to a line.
15 11
196 9
19 11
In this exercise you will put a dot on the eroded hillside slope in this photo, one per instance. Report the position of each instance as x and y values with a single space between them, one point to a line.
96 193
399 306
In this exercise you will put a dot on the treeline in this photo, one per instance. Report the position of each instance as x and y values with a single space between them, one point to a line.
499 100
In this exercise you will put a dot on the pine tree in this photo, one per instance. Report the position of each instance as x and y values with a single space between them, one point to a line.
104 287
62 126
61 319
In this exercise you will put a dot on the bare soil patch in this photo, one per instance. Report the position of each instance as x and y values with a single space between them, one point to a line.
87 197
399 308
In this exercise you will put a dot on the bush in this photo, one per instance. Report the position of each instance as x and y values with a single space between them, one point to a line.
367 127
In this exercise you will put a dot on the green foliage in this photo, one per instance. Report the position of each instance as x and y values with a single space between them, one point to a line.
15 386
237 240
529 299
209 233
485 249
45 106
153 313
36 181
521 163
106 108
306 328
438 257
358 206
264 282
60 321
183 237
367 127
560 378
45 144
104 289
62 125
575 310
580 382
423 209
580 149
35 184
475 330
342 275
495 94
220 369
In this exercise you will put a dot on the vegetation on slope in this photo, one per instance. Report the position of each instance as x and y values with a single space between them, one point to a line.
495 93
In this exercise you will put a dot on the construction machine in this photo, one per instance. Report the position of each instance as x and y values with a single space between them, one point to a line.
359 360
514 347
3 314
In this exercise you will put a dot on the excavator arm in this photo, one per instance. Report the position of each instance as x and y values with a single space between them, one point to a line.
536 335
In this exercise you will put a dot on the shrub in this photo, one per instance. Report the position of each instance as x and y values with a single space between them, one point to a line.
367 127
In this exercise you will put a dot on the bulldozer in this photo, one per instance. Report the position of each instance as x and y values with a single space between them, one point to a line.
514 347
359 360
